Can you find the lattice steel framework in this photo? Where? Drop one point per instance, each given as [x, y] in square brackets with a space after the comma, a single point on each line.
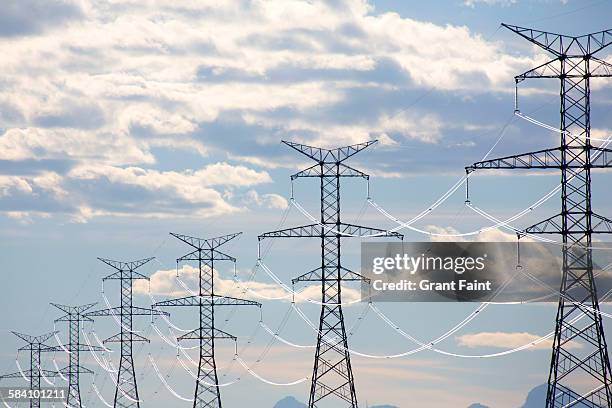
[207, 393]
[332, 374]
[36, 346]
[574, 65]
[126, 391]
[74, 317]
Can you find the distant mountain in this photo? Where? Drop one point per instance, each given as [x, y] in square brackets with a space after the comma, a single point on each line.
[536, 397]
[478, 406]
[290, 402]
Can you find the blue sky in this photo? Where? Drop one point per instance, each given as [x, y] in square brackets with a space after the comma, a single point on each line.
[121, 121]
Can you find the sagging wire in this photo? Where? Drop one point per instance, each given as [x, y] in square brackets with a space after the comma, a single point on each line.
[100, 397]
[299, 294]
[59, 342]
[201, 381]
[58, 370]
[163, 380]
[114, 315]
[20, 369]
[104, 365]
[536, 122]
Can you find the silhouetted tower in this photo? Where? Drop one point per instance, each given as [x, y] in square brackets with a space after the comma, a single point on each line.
[332, 374]
[74, 317]
[126, 391]
[574, 64]
[206, 252]
[36, 346]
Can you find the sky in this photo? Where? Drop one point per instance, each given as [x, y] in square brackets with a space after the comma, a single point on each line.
[122, 121]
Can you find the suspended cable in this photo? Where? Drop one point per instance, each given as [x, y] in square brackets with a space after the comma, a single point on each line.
[163, 380]
[260, 378]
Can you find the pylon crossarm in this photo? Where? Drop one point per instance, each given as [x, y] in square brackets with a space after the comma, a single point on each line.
[600, 68]
[603, 158]
[210, 243]
[601, 224]
[35, 347]
[316, 276]
[305, 231]
[34, 339]
[68, 319]
[206, 255]
[87, 347]
[53, 349]
[126, 338]
[196, 335]
[221, 256]
[348, 171]
[362, 231]
[25, 373]
[80, 370]
[219, 300]
[312, 276]
[76, 310]
[550, 69]
[195, 255]
[113, 311]
[348, 275]
[551, 225]
[142, 311]
[574, 225]
[559, 44]
[26, 337]
[321, 155]
[312, 171]
[122, 275]
[542, 159]
[184, 301]
[49, 373]
[126, 266]
[574, 69]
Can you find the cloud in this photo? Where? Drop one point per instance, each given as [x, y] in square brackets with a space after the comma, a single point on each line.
[473, 3]
[87, 191]
[273, 201]
[128, 87]
[24, 17]
[165, 283]
[508, 340]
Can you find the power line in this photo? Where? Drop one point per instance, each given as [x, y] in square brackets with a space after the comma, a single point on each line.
[574, 65]
[206, 252]
[332, 373]
[126, 387]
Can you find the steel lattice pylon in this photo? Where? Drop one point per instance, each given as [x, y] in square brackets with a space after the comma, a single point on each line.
[574, 65]
[207, 393]
[36, 346]
[126, 391]
[332, 374]
[74, 317]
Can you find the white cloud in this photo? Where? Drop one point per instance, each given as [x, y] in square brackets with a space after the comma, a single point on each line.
[38, 143]
[126, 80]
[165, 283]
[473, 3]
[268, 200]
[508, 340]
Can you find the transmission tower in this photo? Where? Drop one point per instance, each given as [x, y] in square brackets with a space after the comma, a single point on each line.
[574, 64]
[74, 317]
[206, 252]
[36, 346]
[332, 374]
[126, 391]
